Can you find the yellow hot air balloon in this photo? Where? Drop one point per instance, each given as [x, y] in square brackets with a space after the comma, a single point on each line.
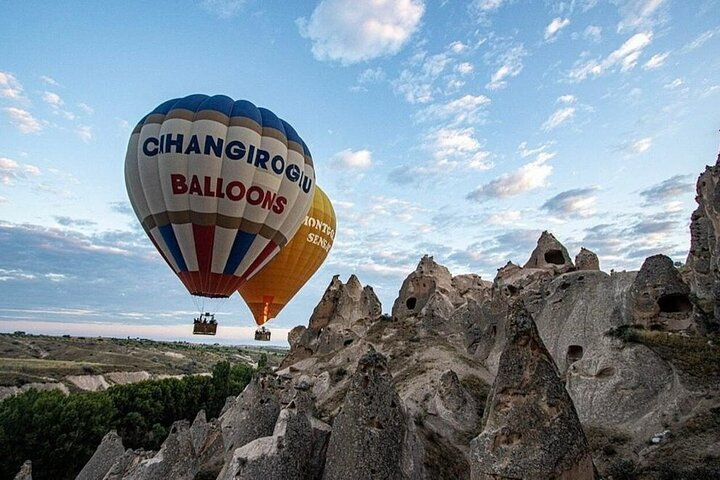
[268, 291]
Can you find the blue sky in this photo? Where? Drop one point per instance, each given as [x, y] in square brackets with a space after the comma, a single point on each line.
[456, 129]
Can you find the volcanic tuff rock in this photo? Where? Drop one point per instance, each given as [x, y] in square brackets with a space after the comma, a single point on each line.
[340, 318]
[550, 254]
[109, 451]
[296, 449]
[587, 260]
[372, 436]
[704, 256]
[25, 472]
[660, 297]
[531, 427]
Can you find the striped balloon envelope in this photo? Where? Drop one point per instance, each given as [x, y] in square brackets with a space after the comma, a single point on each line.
[275, 285]
[219, 186]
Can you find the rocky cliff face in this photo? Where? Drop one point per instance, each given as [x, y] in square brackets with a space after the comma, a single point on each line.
[587, 369]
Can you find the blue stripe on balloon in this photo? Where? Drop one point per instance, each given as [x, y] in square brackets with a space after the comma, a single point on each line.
[218, 103]
[168, 235]
[164, 107]
[270, 120]
[290, 132]
[241, 245]
[243, 108]
[191, 102]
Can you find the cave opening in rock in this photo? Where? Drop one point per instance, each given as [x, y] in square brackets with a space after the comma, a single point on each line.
[410, 303]
[574, 353]
[674, 303]
[555, 257]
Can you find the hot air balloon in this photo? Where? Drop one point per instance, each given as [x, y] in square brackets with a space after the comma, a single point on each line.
[219, 186]
[275, 285]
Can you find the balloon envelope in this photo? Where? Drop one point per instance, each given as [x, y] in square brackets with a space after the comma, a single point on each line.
[219, 186]
[275, 285]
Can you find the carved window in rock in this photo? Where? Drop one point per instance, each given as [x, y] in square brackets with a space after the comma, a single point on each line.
[574, 353]
[674, 303]
[555, 257]
[410, 303]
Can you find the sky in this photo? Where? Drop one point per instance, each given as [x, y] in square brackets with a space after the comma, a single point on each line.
[458, 129]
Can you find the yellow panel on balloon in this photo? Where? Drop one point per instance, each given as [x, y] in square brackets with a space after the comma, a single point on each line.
[274, 286]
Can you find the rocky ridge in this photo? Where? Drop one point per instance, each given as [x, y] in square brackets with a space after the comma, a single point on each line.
[554, 370]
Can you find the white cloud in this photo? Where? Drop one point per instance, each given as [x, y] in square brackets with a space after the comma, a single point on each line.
[577, 202]
[416, 83]
[457, 47]
[349, 159]
[592, 33]
[656, 61]
[23, 120]
[626, 56]
[14, 274]
[52, 99]
[567, 99]
[638, 14]
[9, 86]
[510, 66]
[464, 68]
[10, 170]
[86, 108]
[701, 39]
[85, 133]
[49, 81]
[674, 84]
[554, 27]
[558, 117]
[505, 217]
[487, 5]
[525, 152]
[351, 31]
[466, 109]
[223, 8]
[530, 176]
[638, 146]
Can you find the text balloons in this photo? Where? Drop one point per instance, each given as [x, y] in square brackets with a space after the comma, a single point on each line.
[220, 187]
[275, 285]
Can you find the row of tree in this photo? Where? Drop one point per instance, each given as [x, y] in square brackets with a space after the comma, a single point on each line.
[59, 432]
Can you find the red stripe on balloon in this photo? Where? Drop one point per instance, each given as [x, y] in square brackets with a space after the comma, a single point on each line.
[204, 236]
[269, 248]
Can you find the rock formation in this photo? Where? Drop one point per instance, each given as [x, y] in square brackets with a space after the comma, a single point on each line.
[586, 260]
[660, 297]
[372, 436]
[108, 453]
[25, 472]
[703, 259]
[531, 427]
[549, 254]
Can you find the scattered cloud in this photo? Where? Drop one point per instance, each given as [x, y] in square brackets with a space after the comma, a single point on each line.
[593, 33]
[639, 14]
[487, 5]
[635, 147]
[554, 27]
[73, 222]
[674, 84]
[351, 31]
[9, 86]
[558, 117]
[456, 148]
[457, 47]
[23, 120]
[223, 8]
[464, 68]
[49, 81]
[701, 39]
[530, 176]
[349, 159]
[626, 56]
[85, 133]
[11, 170]
[668, 190]
[416, 82]
[656, 61]
[567, 99]
[466, 109]
[510, 65]
[579, 202]
[87, 109]
[52, 99]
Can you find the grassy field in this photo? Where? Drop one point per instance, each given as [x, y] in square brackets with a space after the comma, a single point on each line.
[40, 358]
